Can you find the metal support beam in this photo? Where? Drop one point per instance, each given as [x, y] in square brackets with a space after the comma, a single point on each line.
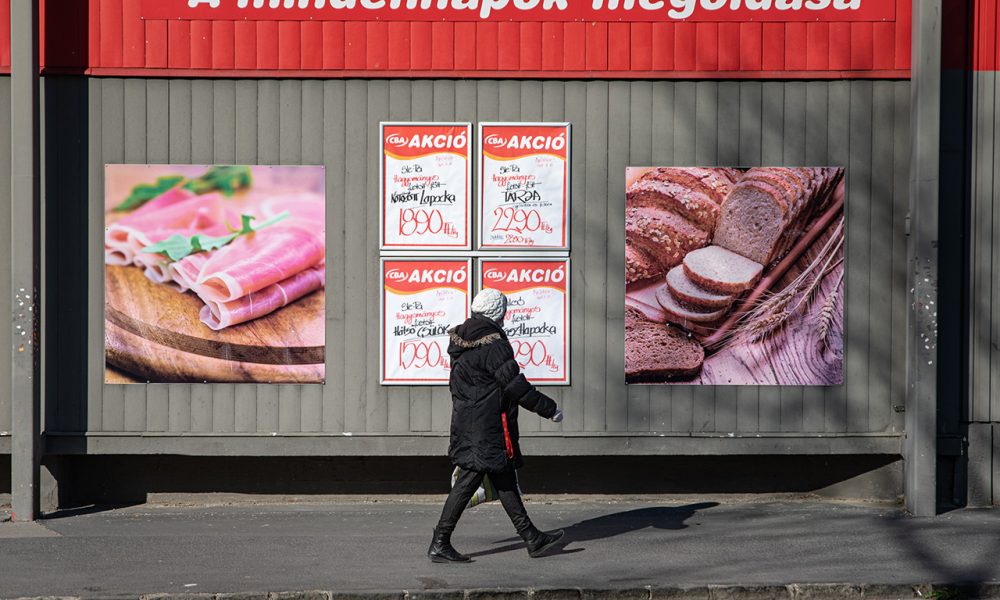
[920, 447]
[25, 260]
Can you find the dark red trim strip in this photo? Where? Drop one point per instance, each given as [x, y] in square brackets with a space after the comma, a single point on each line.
[463, 74]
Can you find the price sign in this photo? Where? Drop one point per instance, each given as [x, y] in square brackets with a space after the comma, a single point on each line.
[524, 185]
[537, 321]
[425, 201]
[421, 299]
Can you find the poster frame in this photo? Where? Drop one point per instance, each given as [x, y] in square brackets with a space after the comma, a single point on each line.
[568, 380]
[470, 189]
[381, 311]
[567, 210]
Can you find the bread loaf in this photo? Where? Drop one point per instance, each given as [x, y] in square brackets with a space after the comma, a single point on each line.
[655, 352]
[670, 211]
[639, 264]
[664, 235]
[767, 209]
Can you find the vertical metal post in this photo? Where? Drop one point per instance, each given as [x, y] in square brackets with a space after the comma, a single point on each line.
[920, 448]
[25, 260]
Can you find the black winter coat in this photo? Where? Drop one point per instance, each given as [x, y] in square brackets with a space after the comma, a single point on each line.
[485, 382]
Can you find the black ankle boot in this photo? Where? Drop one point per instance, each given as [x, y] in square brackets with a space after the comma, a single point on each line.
[441, 549]
[540, 542]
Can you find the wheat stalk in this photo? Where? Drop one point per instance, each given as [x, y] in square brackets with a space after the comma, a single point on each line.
[826, 313]
[762, 329]
[769, 314]
[814, 285]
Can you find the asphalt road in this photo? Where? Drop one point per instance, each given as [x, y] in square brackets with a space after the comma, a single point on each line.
[381, 546]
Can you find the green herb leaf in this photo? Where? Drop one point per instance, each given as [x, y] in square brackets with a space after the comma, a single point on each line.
[144, 192]
[178, 246]
[227, 179]
[175, 247]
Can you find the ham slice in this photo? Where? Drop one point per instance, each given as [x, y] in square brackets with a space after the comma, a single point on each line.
[255, 261]
[155, 221]
[219, 315]
[117, 250]
[185, 272]
[302, 207]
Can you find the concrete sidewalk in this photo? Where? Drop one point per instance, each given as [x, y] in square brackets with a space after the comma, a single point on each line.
[637, 549]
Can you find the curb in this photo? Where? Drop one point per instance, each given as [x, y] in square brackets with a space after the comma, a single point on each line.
[794, 591]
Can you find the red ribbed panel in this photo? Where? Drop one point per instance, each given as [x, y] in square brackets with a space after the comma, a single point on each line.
[108, 37]
[986, 25]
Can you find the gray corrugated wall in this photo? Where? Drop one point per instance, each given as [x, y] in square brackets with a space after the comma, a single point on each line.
[862, 125]
[982, 410]
[5, 291]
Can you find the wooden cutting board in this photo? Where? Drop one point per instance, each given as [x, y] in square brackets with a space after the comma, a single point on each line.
[153, 333]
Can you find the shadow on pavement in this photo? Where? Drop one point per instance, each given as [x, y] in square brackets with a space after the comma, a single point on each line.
[608, 526]
[86, 510]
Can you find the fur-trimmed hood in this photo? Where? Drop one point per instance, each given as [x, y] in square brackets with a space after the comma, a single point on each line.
[475, 332]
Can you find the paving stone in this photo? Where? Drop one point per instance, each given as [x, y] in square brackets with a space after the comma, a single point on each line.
[748, 592]
[825, 591]
[678, 593]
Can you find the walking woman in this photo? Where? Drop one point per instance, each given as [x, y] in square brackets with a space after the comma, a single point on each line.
[487, 387]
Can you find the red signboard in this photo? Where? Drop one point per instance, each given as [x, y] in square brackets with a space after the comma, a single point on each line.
[758, 39]
[522, 10]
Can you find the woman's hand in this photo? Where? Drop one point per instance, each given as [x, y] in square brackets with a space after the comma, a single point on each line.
[558, 416]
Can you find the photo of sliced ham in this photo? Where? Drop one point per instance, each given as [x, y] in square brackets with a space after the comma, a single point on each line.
[185, 213]
[225, 263]
[219, 315]
[257, 260]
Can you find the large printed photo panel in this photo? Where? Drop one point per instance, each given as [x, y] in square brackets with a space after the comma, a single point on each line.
[214, 273]
[734, 276]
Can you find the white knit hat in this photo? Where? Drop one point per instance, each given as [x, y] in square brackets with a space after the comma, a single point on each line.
[490, 303]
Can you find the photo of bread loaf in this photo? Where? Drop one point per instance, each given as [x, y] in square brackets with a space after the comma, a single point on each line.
[734, 276]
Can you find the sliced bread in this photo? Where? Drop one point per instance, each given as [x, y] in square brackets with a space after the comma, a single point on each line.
[693, 205]
[639, 264]
[666, 236]
[767, 208]
[682, 313]
[721, 270]
[656, 352]
[691, 293]
[715, 183]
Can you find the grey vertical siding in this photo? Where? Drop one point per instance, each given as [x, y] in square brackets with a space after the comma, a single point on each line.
[5, 291]
[982, 410]
[858, 124]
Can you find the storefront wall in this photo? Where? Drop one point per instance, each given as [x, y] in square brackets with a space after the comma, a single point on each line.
[860, 124]
[980, 414]
[5, 291]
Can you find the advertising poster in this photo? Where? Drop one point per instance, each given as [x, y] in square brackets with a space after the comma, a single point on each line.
[537, 321]
[214, 273]
[421, 300]
[425, 199]
[524, 186]
[734, 276]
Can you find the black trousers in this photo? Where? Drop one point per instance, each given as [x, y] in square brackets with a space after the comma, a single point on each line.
[465, 487]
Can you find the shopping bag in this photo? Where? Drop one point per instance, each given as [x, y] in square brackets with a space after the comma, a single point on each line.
[485, 493]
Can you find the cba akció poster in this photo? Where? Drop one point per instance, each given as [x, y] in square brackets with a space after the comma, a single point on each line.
[425, 186]
[421, 300]
[524, 186]
[734, 276]
[537, 320]
[214, 273]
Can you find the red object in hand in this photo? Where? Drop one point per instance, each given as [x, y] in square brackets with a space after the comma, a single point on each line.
[506, 436]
